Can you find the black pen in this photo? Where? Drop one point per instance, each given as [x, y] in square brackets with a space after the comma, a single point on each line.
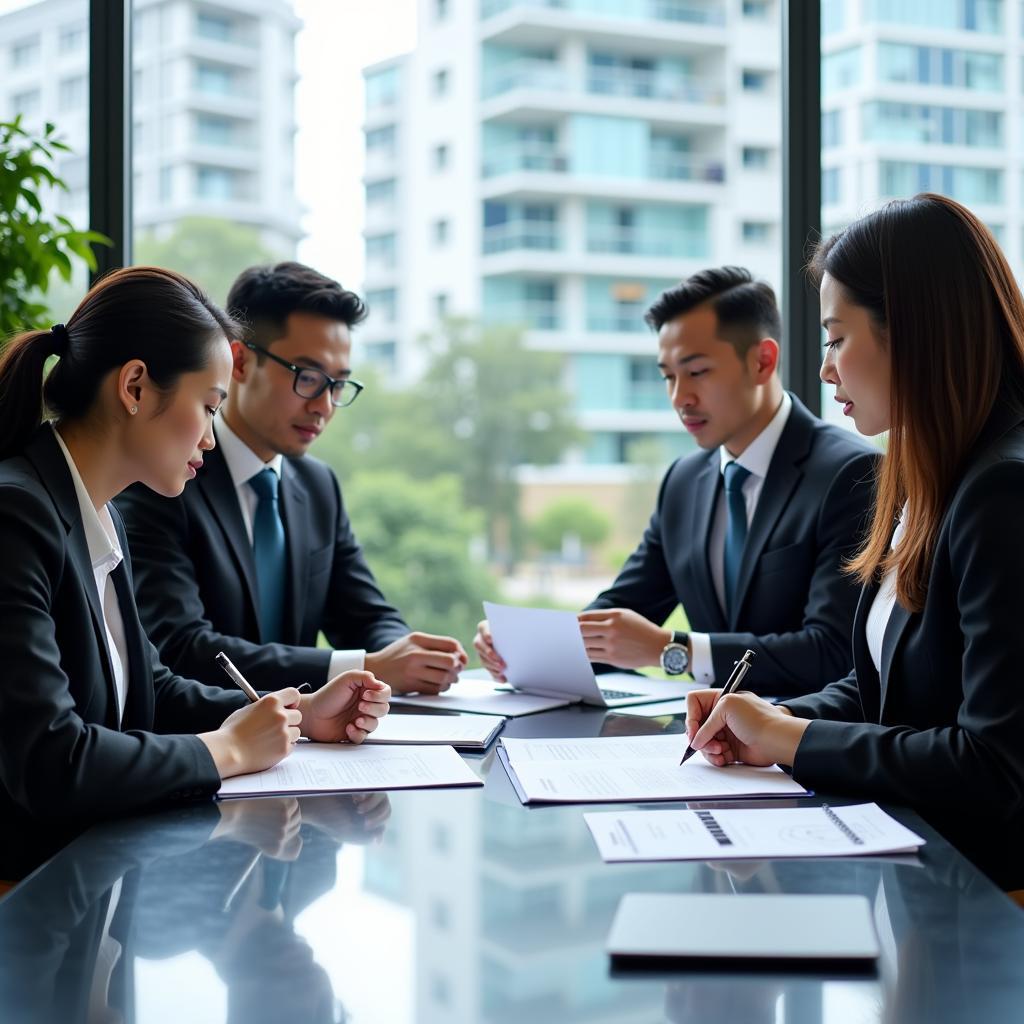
[240, 681]
[741, 668]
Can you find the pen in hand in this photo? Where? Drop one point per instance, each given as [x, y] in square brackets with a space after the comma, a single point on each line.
[240, 681]
[741, 668]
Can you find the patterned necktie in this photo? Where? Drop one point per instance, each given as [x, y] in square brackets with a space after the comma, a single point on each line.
[736, 533]
[268, 546]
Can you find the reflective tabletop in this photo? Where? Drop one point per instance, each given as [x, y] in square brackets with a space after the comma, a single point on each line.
[458, 906]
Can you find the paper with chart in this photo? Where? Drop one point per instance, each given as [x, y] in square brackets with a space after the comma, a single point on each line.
[466, 731]
[634, 768]
[482, 696]
[342, 767]
[734, 834]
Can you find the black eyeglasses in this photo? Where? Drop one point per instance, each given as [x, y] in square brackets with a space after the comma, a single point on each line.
[311, 383]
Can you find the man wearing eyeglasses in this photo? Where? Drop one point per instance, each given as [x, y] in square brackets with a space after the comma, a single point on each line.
[257, 556]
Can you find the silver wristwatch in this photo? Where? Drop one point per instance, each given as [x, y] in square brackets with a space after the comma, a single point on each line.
[675, 656]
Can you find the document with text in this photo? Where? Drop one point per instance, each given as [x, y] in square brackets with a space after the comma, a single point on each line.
[468, 732]
[342, 767]
[735, 834]
[635, 768]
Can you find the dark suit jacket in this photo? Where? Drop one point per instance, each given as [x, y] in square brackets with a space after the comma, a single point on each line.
[195, 578]
[64, 759]
[941, 728]
[794, 606]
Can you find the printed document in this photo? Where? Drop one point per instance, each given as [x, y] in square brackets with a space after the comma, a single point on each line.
[342, 767]
[466, 731]
[730, 834]
[634, 768]
[483, 697]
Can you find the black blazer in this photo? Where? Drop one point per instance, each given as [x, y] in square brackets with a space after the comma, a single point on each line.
[941, 728]
[64, 759]
[195, 578]
[794, 606]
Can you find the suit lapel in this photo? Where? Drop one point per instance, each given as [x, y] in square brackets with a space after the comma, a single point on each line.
[867, 677]
[784, 473]
[295, 513]
[706, 488]
[136, 714]
[45, 454]
[218, 489]
[894, 630]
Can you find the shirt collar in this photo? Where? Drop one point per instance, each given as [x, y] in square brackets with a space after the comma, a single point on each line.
[757, 456]
[243, 463]
[100, 535]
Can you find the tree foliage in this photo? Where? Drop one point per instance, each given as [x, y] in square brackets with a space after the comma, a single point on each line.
[34, 245]
[569, 517]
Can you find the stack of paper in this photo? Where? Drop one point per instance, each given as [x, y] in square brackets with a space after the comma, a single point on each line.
[733, 834]
[484, 697]
[634, 768]
[464, 732]
[342, 767]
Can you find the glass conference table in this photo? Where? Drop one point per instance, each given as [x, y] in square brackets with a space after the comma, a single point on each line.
[458, 906]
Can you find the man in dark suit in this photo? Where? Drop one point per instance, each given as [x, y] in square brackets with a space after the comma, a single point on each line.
[749, 534]
[257, 556]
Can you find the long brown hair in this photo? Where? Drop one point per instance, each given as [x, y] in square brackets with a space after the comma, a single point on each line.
[144, 313]
[946, 304]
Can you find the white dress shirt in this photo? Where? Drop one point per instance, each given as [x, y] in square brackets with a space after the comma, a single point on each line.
[105, 555]
[755, 458]
[243, 464]
[884, 602]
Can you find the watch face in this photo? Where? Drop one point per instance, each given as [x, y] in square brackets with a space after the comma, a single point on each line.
[674, 660]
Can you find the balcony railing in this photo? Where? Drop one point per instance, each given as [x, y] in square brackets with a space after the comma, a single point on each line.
[638, 83]
[692, 11]
[523, 157]
[684, 167]
[619, 321]
[526, 74]
[539, 314]
[645, 242]
[521, 234]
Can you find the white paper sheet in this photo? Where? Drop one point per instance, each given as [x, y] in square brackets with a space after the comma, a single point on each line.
[729, 834]
[483, 697]
[636, 768]
[457, 730]
[342, 767]
[664, 707]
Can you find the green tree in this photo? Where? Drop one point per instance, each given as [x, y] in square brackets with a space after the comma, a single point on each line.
[418, 536]
[35, 247]
[569, 517]
[210, 250]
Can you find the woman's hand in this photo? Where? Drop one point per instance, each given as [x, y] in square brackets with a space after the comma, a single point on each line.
[257, 736]
[489, 657]
[741, 727]
[347, 708]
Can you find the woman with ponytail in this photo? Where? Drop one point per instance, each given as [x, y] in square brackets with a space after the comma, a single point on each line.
[925, 340]
[91, 724]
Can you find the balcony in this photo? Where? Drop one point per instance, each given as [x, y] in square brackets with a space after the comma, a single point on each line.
[540, 157]
[627, 241]
[525, 73]
[685, 167]
[617, 321]
[638, 83]
[688, 11]
[521, 234]
[537, 314]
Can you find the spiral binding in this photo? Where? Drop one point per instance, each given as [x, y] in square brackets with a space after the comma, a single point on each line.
[842, 826]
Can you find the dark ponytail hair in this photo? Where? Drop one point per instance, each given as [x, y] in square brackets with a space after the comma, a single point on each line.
[144, 313]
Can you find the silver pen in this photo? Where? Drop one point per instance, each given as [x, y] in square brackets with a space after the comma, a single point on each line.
[741, 668]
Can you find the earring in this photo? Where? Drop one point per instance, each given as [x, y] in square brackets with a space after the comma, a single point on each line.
[134, 409]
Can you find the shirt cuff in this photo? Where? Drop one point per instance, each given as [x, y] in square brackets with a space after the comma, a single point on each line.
[345, 661]
[702, 668]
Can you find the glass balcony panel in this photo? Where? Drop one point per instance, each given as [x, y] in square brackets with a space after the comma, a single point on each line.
[521, 234]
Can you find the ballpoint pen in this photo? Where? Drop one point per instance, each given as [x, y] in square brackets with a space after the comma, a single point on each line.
[240, 681]
[741, 668]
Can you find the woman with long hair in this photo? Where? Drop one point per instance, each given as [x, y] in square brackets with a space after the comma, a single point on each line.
[925, 340]
[91, 724]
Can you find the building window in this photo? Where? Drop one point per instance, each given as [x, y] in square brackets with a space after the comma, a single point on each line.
[756, 81]
[382, 354]
[441, 305]
[217, 183]
[383, 303]
[381, 250]
[382, 88]
[829, 186]
[840, 70]
[166, 184]
[831, 128]
[441, 82]
[218, 27]
[757, 158]
[886, 121]
[758, 10]
[441, 156]
[756, 232]
[440, 232]
[213, 130]
[25, 52]
[73, 93]
[214, 79]
[26, 103]
[72, 38]
[381, 140]
[441, 10]
[380, 193]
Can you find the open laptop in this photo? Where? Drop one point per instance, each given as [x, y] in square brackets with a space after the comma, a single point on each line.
[544, 654]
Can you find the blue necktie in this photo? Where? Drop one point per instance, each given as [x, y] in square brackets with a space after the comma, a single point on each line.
[736, 532]
[268, 546]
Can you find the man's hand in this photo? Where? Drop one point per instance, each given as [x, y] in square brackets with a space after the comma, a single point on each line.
[741, 727]
[419, 663]
[347, 708]
[359, 817]
[491, 660]
[623, 638]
